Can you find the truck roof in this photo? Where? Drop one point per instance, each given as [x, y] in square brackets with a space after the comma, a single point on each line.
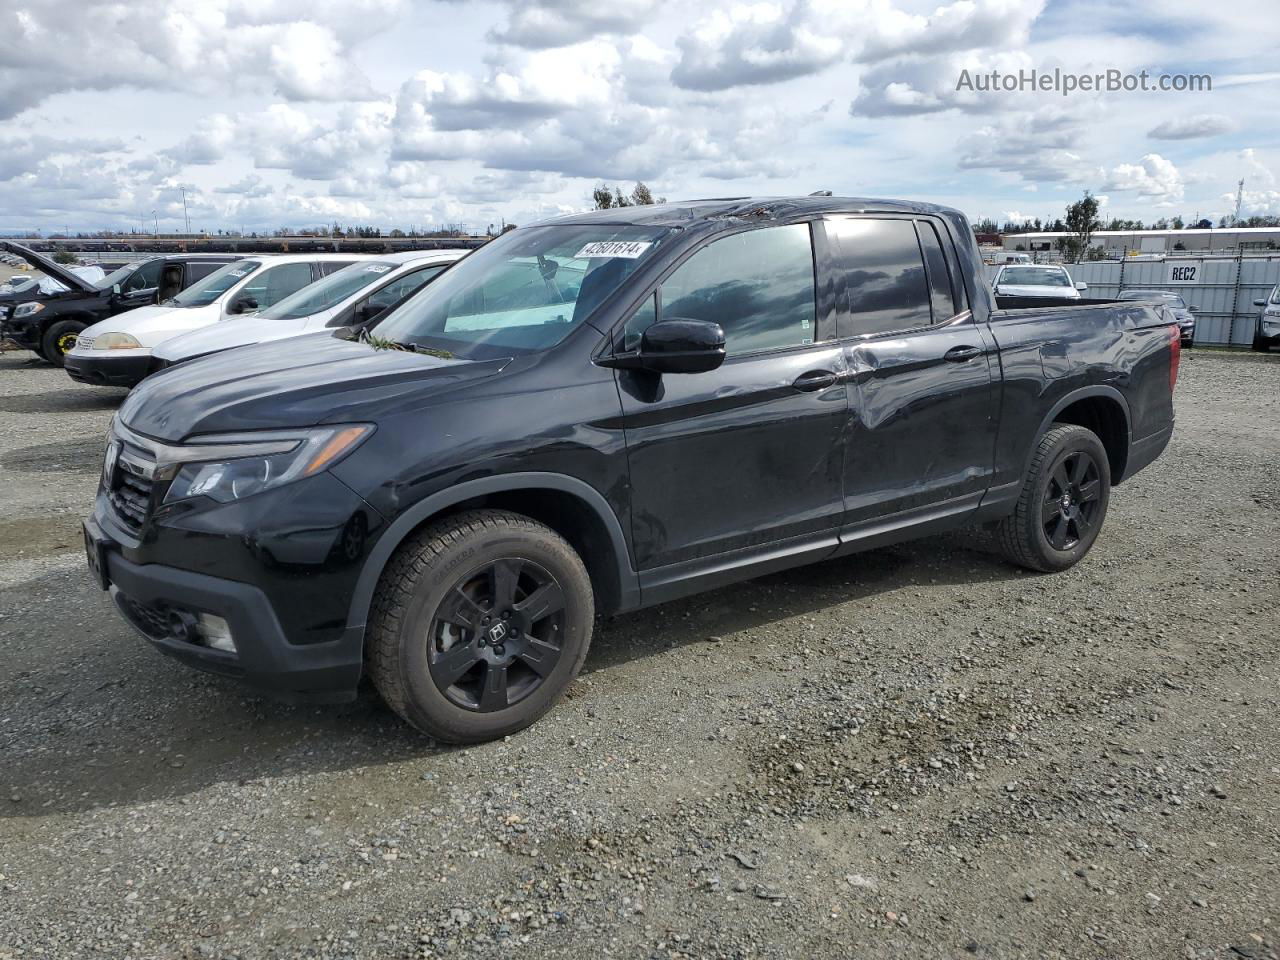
[689, 212]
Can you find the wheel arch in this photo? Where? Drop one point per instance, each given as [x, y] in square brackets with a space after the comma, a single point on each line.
[1099, 408]
[569, 506]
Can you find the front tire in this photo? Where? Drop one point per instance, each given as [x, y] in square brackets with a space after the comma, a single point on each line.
[480, 622]
[1063, 502]
[1261, 345]
[58, 339]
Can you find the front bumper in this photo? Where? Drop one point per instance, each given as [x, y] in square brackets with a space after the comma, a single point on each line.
[280, 567]
[18, 333]
[106, 370]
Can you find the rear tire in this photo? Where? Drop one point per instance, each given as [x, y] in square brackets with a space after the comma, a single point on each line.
[479, 623]
[58, 339]
[1063, 502]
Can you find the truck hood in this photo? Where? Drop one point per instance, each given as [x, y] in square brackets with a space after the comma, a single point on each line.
[297, 382]
[57, 271]
[1030, 290]
[240, 332]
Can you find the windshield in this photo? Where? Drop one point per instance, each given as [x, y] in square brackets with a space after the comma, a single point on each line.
[1275, 294]
[1034, 277]
[328, 292]
[522, 292]
[1172, 298]
[205, 291]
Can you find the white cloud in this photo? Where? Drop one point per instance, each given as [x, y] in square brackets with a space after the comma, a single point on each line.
[1192, 127]
[538, 24]
[298, 50]
[758, 43]
[1151, 178]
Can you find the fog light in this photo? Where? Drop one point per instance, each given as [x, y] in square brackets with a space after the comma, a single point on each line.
[215, 633]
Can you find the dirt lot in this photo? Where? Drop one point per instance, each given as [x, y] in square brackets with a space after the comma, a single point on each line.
[918, 752]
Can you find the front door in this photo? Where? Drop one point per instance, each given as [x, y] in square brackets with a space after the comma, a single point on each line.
[923, 414]
[749, 455]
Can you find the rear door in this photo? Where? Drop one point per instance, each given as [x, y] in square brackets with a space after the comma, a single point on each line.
[923, 414]
[748, 455]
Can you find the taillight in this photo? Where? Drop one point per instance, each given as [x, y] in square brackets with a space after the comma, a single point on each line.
[1175, 355]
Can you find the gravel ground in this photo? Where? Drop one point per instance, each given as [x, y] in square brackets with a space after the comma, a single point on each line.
[916, 752]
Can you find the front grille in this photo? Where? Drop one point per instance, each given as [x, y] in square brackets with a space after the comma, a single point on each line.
[130, 485]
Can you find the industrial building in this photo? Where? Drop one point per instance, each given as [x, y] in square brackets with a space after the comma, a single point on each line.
[1121, 243]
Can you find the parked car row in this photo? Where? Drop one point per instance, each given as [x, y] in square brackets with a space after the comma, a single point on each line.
[109, 333]
[587, 416]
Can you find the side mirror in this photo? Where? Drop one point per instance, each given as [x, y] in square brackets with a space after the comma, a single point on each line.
[676, 346]
[1081, 285]
[115, 289]
[243, 305]
[1259, 303]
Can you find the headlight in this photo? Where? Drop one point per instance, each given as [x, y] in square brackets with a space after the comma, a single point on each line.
[115, 341]
[230, 467]
[27, 310]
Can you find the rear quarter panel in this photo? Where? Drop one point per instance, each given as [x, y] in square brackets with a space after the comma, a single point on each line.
[1049, 356]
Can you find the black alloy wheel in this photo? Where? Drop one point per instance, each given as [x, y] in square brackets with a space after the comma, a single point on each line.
[1072, 500]
[496, 635]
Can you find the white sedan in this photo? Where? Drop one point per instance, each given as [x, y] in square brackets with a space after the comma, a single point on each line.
[1031, 280]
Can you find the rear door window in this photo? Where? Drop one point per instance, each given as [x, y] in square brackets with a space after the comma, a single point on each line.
[880, 267]
[941, 288]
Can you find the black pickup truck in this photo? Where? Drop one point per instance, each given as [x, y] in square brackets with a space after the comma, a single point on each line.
[602, 412]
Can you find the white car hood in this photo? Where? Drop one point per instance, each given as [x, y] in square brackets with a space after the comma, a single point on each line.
[240, 332]
[153, 325]
[1016, 290]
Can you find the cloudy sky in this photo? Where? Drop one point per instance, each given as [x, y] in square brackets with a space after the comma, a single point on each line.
[298, 113]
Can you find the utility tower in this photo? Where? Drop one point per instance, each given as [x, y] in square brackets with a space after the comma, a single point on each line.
[1235, 218]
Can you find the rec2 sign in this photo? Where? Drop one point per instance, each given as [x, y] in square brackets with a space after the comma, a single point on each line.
[1183, 273]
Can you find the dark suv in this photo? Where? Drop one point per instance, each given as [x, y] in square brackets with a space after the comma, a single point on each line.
[602, 412]
[47, 323]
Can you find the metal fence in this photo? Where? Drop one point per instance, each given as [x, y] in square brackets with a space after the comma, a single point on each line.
[1222, 289]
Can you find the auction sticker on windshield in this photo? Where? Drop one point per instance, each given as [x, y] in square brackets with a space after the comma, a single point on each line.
[626, 249]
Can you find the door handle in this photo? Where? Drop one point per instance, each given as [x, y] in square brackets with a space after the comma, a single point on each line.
[961, 354]
[814, 380]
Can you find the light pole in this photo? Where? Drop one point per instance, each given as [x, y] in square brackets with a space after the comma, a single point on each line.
[157, 220]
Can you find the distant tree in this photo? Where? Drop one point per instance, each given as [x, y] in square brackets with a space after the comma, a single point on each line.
[603, 197]
[986, 225]
[1082, 221]
[1203, 224]
[618, 199]
[1176, 223]
[508, 227]
[63, 255]
[641, 196]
